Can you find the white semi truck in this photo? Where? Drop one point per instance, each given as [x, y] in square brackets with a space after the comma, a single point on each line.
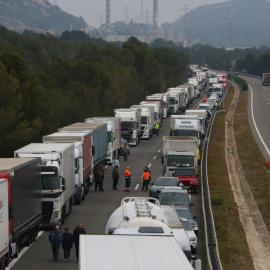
[113, 135]
[186, 127]
[82, 142]
[165, 98]
[147, 119]
[131, 129]
[187, 117]
[157, 109]
[144, 216]
[57, 175]
[179, 152]
[134, 253]
[177, 100]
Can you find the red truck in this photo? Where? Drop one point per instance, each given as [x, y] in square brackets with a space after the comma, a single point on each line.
[188, 176]
[20, 205]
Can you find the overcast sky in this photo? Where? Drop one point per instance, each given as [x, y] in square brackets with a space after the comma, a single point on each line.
[94, 11]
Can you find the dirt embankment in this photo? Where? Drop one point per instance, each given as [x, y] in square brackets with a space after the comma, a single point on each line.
[257, 234]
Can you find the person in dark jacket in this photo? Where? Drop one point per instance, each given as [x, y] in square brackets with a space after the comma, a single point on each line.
[76, 238]
[98, 179]
[115, 176]
[67, 244]
[56, 238]
[102, 169]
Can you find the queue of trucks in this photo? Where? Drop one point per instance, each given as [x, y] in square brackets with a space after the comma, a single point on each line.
[42, 182]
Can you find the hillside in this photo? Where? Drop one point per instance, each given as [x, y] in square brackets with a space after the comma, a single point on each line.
[39, 16]
[235, 23]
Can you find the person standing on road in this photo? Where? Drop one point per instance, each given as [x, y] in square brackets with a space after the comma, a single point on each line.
[76, 238]
[102, 169]
[115, 161]
[56, 238]
[216, 104]
[67, 244]
[115, 176]
[125, 151]
[127, 179]
[98, 179]
[146, 179]
[157, 128]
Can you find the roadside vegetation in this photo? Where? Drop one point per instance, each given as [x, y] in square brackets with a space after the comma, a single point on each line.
[254, 165]
[233, 247]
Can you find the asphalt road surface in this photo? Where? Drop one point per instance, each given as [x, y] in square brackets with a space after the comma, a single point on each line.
[94, 212]
[260, 120]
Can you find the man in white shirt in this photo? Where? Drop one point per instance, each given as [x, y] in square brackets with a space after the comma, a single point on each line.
[115, 162]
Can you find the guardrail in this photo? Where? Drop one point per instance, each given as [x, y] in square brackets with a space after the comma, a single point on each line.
[209, 223]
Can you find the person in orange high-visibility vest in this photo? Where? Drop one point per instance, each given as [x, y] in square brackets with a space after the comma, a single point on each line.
[146, 179]
[204, 99]
[128, 179]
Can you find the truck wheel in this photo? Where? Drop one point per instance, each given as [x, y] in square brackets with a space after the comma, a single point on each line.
[70, 206]
[137, 141]
[83, 193]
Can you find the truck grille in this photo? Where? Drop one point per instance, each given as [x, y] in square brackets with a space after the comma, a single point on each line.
[127, 137]
[47, 210]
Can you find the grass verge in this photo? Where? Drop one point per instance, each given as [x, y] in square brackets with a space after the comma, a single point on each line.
[233, 248]
[254, 165]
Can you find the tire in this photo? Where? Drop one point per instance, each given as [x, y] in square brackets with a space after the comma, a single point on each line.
[83, 194]
[137, 141]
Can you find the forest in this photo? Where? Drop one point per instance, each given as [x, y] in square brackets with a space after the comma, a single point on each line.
[48, 82]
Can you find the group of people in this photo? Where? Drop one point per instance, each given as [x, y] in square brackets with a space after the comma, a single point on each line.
[56, 238]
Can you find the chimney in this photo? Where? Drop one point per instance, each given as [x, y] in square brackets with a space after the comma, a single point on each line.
[108, 16]
[155, 16]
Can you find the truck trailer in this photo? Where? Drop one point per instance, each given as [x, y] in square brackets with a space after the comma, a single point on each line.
[113, 135]
[20, 205]
[99, 140]
[83, 158]
[266, 79]
[57, 176]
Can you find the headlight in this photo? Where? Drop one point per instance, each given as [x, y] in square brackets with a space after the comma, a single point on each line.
[55, 215]
[192, 238]
[191, 182]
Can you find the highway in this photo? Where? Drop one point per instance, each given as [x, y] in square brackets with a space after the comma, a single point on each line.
[259, 114]
[94, 212]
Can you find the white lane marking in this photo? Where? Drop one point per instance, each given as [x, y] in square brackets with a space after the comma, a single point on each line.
[267, 150]
[142, 176]
[12, 263]
[159, 150]
[154, 157]
[149, 165]
[137, 186]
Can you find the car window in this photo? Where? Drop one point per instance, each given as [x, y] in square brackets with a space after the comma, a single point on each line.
[187, 226]
[166, 182]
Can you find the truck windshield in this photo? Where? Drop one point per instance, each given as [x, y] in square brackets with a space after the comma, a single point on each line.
[144, 120]
[173, 198]
[172, 101]
[180, 161]
[204, 107]
[192, 133]
[156, 115]
[184, 172]
[127, 125]
[165, 104]
[49, 176]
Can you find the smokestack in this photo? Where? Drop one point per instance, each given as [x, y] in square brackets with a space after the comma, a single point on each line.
[155, 16]
[108, 16]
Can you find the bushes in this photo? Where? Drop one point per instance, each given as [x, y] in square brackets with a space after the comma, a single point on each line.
[239, 81]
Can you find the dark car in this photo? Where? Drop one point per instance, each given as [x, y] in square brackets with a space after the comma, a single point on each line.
[184, 212]
[123, 141]
[174, 196]
[162, 182]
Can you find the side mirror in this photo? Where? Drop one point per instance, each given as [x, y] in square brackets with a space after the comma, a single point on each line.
[191, 204]
[93, 150]
[10, 210]
[162, 160]
[64, 188]
[194, 216]
[63, 180]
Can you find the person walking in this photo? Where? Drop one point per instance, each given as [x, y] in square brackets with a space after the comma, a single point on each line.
[216, 104]
[127, 179]
[76, 238]
[204, 99]
[56, 238]
[146, 179]
[98, 179]
[157, 128]
[67, 244]
[115, 162]
[125, 151]
[115, 176]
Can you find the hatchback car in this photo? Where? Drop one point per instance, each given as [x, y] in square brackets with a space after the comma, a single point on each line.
[163, 182]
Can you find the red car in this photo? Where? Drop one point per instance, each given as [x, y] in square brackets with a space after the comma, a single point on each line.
[188, 177]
